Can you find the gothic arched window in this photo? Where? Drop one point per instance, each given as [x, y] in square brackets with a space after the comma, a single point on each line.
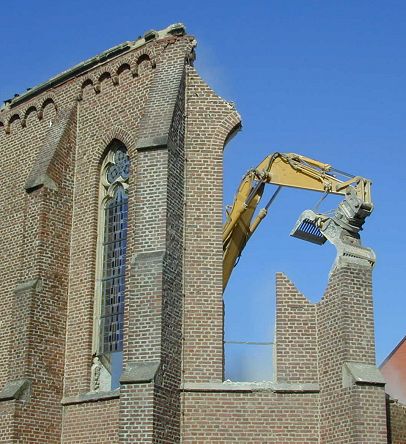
[111, 265]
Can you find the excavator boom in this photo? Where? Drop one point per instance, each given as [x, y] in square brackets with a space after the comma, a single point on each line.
[290, 170]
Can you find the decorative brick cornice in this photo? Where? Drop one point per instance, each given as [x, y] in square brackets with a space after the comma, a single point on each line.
[11, 116]
[174, 31]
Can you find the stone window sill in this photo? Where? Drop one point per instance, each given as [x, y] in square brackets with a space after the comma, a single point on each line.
[91, 397]
[251, 387]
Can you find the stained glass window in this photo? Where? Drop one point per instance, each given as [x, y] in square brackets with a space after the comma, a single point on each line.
[112, 259]
[113, 278]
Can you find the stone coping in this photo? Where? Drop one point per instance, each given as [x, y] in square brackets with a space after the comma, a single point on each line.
[91, 397]
[276, 387]
[16, 389]
[361, 374]
[208, 387]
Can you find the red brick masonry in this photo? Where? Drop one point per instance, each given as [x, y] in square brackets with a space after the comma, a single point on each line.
[53, 139]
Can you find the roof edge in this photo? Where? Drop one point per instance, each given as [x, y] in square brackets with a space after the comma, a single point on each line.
[176, 29]
[392, 352]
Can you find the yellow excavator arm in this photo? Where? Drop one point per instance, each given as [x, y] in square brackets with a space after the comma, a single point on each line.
[291, 170]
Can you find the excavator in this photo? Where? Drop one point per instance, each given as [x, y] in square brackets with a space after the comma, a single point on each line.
[341, 227]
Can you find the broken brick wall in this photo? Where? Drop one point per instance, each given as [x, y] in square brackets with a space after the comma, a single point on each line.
[175, 128]
[320, 348]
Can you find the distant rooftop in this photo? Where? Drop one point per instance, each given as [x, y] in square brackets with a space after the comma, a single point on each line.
[392, 352]
[177, 29]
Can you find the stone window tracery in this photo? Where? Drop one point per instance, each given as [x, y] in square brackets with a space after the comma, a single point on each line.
[111, 264]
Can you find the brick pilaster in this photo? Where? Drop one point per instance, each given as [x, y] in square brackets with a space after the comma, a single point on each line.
[150, 400]
[352, 409]
[40, 297]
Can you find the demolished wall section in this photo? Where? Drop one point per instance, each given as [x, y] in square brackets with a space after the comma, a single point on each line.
[296, 336]
[209, 123]
[214, 411]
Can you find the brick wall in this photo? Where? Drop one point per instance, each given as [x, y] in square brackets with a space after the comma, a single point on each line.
[296, 339]
[396, 422]
[174, 127]
[314, 342]
[250, 417]
[93, 422]
[155, 294]
[8, 432]
[353, 413]
[40, 295]
[210, 121]
[126, 98]
[99, 122]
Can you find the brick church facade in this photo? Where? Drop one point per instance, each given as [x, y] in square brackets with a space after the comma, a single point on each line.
[111, 265]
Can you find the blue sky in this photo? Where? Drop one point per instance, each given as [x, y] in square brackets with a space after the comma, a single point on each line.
[320, 78]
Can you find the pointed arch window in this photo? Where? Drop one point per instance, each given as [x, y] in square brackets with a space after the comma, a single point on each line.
[111, 265]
